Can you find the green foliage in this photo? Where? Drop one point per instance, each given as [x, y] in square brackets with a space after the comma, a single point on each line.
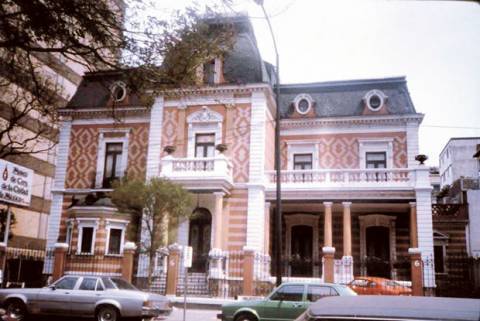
[160, 203]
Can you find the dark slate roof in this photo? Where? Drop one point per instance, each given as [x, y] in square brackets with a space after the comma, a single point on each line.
[241, 66]
[344, 98]
[397, 307]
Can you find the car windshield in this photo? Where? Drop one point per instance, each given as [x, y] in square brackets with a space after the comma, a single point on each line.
[121, 284]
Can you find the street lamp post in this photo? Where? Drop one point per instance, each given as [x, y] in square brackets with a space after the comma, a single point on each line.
[278, 205]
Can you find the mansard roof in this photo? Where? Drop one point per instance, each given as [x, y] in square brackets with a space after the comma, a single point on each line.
[345, 98]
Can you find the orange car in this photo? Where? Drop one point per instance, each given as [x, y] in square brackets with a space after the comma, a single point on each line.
[379, 286]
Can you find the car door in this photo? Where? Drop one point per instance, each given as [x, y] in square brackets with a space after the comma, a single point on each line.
[286, 303]
[55, 299]
[316, 292]
[85, 295]
[360, 286]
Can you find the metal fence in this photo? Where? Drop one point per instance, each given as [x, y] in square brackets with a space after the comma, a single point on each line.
[23, 268]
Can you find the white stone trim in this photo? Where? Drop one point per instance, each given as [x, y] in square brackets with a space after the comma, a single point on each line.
[59, 183]
[412, 143]
[86, 222]
[204, 121]
[425, 233]
[375, 145]
[221, 99]
[102, 143]
[257, 137]
[110, 121]
[69, 234]
[256, 218]
[307, 220]
[294, 148]
[378, 220]
[155, 138]
[115, 224]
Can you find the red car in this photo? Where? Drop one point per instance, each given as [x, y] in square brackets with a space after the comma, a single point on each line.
[379, 286]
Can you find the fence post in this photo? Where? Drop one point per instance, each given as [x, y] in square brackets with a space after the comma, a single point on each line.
[248, 271]
[127, 260]
[60, 258]
[416, 264]
[173, 269]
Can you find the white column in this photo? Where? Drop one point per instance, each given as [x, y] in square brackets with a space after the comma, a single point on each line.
[155, 138]
[217, 227]
[153, 168]
[57, 192]
[256, 217]
[412, 143]
[257, 137]
[423, 194]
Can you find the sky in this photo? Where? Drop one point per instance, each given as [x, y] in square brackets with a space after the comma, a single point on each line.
[435, 44]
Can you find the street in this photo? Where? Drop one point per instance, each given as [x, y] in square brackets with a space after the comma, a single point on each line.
[194, 315]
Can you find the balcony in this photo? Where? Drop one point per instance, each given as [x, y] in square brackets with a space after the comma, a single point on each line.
[350, 179]
[199, 174]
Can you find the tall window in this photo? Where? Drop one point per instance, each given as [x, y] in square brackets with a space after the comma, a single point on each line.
[86, 235]
[302, 161]
[209, 72]
[68, 239]
[376, 160]
[205, 145]
[115, 241]
[113, 161]
[439, 255]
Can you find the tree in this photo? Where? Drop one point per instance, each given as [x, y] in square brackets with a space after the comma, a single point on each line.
[159, 204]
[94, 35]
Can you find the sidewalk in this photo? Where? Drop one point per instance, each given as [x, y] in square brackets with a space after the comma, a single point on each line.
[204, 302]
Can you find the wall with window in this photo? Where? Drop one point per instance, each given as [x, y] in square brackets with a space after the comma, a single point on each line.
[199, 138]
[101, 153]
[337, 151]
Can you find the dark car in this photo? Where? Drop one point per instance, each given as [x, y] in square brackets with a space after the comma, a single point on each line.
[390, 308]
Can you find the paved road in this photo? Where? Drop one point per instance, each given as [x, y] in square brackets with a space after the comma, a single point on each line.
[194, 315]
[177, 315]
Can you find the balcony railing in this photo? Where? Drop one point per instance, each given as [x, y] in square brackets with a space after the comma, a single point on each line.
[198, 172]
[345, 177]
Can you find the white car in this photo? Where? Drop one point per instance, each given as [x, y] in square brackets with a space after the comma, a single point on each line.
[105, 298]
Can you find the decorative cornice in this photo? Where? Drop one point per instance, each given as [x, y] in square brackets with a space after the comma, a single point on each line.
[237, 89]
[355, 120]
[105, 112]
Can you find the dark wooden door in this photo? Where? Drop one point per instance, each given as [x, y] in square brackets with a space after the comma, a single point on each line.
[301, 260]
[199, 239]
[378, 251]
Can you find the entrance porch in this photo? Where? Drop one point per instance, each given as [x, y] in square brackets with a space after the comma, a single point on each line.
[336, 241]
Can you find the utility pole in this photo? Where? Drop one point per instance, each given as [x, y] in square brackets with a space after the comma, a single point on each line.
[278, 205]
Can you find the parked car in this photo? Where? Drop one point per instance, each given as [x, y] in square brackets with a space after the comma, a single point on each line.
[105, 298]
[379, 286]
[286, 302]
[389, 308]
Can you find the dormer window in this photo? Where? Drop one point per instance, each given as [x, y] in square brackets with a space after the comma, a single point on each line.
[118, 91]
[212, 71]
[303, 104]
[375, 99]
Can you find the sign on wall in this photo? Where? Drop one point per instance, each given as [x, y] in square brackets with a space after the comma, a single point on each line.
[16, 183]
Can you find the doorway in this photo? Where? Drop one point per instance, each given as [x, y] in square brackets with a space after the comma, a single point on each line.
[378, 251]
[199, 235]
[301, 259]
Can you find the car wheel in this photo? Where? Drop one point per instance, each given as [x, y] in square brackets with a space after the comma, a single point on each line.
[246, 317]
[107, 313]
[16, 310]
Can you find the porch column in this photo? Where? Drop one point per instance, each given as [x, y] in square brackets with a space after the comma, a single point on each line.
[413, 225]
[218, 220]
[347, 229]
[328, 249]
[216, 254]
[346, 271]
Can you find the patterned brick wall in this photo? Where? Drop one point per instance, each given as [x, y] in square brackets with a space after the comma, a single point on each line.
[237, 220]
[238, 140]
[270, 143]
[82, 159]
[169, 130]
[339, 151]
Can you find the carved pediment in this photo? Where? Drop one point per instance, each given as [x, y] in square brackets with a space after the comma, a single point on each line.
[205, 115]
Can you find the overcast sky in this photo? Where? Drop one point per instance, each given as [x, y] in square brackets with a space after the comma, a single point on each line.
[435, 44]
